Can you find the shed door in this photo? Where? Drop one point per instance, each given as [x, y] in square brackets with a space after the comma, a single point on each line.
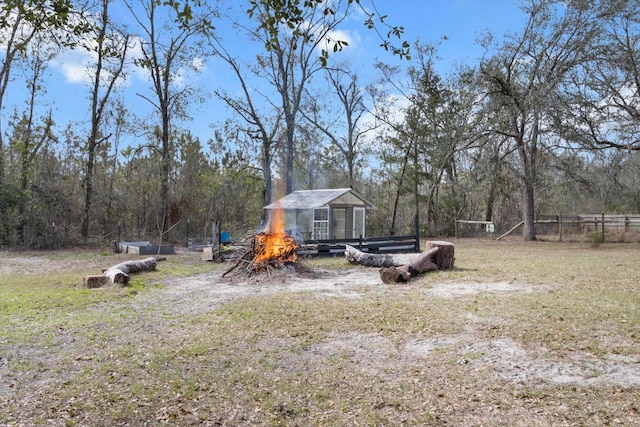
[339, 223]
[358, 222]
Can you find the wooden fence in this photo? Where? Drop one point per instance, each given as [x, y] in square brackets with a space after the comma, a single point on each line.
[391, 244]
[600, 225]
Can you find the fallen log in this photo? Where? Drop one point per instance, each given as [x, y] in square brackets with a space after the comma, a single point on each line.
[402, 267]
[403, 273]
[356, 256]
[119, 273]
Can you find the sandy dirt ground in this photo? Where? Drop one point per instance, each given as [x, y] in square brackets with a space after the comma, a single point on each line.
[508, 359]
[511, 362]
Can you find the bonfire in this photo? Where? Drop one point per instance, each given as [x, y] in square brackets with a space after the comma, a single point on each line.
[274, 247]
[270, 249]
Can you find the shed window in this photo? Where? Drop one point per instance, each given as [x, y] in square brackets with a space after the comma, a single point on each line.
[321, 223]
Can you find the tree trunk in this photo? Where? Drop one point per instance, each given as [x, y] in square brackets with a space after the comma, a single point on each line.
[166, 169]
[120, 273]
[88, 186]
[356, 256]
[266, 172]
[392, 231]
[288, 158]
[402, 267]
[405, 272]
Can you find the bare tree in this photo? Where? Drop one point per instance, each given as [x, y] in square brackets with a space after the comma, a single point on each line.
[259, 126]
[291, 62]
[602, 98]
[111, 51]
[119, 122]
[344, 130]
[165, 49]
[523, 79]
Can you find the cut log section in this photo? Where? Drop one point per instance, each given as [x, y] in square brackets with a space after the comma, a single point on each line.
[95, 281]
[402, 267]
[119, 273]
[445, 256]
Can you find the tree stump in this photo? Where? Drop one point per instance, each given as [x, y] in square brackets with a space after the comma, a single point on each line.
[445, 255]
[395, 274]
[207, 253]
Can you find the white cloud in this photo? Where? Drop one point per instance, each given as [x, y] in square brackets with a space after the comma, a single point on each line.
[135, 53]
[198, 65]
[334, 37]
[75, 65]
[181, 77]
[185, 76]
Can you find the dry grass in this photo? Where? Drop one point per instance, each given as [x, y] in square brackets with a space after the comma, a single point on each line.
[518, 334]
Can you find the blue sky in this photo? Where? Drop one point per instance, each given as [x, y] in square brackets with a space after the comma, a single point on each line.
[461, 21]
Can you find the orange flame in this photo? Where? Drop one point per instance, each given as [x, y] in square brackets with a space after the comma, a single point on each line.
[275, 246]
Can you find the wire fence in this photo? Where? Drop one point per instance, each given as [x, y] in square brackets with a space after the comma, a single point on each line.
[584, 227]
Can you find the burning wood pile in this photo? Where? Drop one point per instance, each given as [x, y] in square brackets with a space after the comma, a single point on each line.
[274, 249]
[268, 250]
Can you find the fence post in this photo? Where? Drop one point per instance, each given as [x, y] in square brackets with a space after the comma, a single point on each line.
[602, 227]
[215, 240]
[455, 227]
[559, 218]
[626, 225]
[417, 231]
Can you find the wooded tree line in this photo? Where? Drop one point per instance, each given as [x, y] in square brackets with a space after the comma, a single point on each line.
[548, 121]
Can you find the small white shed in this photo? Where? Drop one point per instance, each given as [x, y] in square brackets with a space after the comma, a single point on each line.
[323, 214]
